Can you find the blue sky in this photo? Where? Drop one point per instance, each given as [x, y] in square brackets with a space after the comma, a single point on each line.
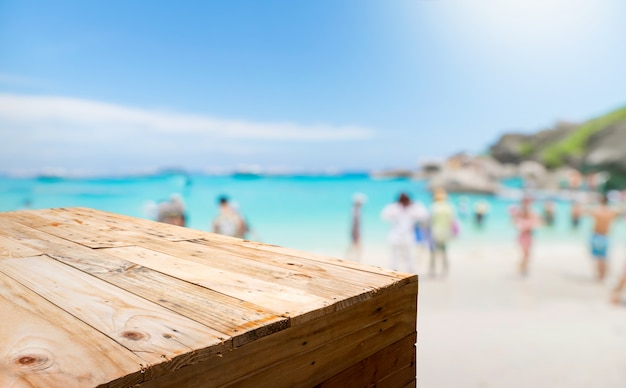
[311, 85]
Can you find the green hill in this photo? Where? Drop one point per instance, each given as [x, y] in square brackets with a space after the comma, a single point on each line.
[574, 146]
[595, 145]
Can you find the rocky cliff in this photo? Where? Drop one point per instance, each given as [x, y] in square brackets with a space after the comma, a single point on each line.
[516, 147]
[596, 145]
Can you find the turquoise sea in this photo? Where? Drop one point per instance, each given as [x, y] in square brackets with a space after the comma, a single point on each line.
[310, 213]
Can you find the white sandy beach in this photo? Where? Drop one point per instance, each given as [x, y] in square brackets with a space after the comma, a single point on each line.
[485, 326]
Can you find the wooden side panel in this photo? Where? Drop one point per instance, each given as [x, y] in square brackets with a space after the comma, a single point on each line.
[42, 346]
[308, 354]
[404, 377]
[377, 367]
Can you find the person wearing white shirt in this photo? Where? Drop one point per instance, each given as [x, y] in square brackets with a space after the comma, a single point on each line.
[403, 215]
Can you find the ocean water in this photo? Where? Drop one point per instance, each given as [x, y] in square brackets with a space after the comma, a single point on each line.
[310, 213]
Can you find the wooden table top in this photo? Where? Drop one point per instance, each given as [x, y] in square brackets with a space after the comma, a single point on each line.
[89, 297]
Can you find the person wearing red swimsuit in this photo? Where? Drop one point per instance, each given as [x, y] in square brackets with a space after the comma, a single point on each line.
[525, 221]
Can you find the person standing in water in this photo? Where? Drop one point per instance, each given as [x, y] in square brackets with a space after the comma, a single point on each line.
[525, 221]
[548, 213]
[228, 221]
[442, 219]
[403, 215]
[356, 249]
[481, 208]
[575, 214]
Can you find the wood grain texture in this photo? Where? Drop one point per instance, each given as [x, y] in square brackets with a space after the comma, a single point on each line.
[152, 332]
[171, 306]
[69, 229]
[42, 346]
[242, 321]
[404, 378]
[239, 318]
[308, 354]
[381, 365]
[12, 248]
[225, 276]
[130, 226]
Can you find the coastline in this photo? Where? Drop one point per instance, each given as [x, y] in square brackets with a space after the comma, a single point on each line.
[482, 326]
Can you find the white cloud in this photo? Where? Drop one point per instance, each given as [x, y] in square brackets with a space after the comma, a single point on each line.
[64, 116]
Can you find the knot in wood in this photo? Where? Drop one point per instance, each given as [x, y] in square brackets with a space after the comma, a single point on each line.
[33, 359]
[28, 360]
[133, 335]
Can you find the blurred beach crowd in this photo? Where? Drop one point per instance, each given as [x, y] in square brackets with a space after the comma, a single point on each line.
[418, 229]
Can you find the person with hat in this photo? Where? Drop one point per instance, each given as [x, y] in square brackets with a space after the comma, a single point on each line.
[443, 228]
[172, 211]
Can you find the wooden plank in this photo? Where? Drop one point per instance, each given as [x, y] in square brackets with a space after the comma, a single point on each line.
[70, 216]
[141, 227]
[404, 377]
[313, 280]
[349, 281]
[116, 236]
[384, 318]
[42, 346]
[340, 287]
[380, 365]
[65, 228]
[222, 276]
[238, 319]
[294, 253]
[253, 292]
[162, 231]
[354, 282]
[152, 332]
[11, 248]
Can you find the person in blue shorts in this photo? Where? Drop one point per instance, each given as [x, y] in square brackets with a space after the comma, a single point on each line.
[599, 246]
[603, 216]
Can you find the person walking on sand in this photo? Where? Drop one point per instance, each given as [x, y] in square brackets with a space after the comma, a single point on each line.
[355, 249]
[442, 227]
[403, 215]
[526, 222]
[603, 216]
